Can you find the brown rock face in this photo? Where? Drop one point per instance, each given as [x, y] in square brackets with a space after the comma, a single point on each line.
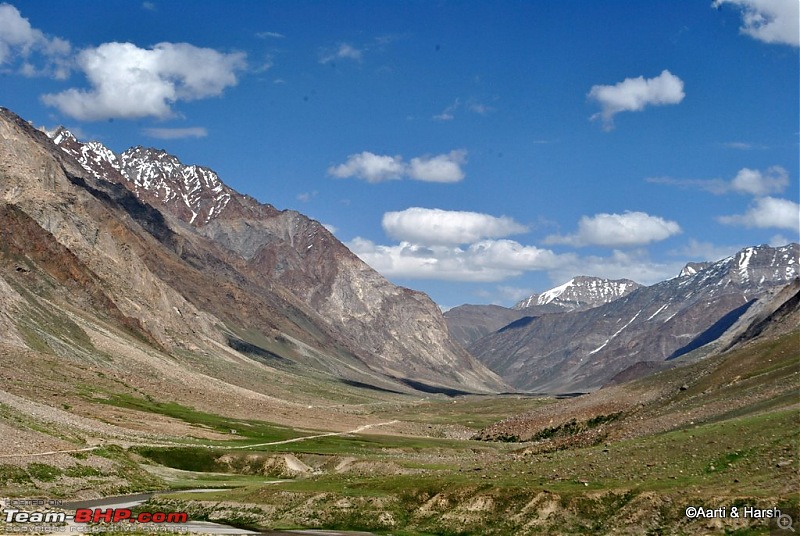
[180, 258]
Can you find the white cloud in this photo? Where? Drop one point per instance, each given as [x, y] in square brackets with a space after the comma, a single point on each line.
[446, 227]
[149, 6]
[370, 167]
[441, 168]
[478, 108]
[375, 168]
[273, 35]
[486, 261]
[740, 145]
[754, 182]
[18, 39]
[715, 186]
[472, 105]
[513, 294]
[705, 251]
[632, 264]
[176, 133]
[770, 21]
[344, 51]
[448, 114]
[747, 181]
[511, 255]
[768, 212]
[331, 229]
[305, 197]
[780, 240]
[131, 82]
[498, 260]
[618, 230]
[634, 94]
[466, 247]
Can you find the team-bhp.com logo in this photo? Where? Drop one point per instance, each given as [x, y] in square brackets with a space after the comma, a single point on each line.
[94, 515]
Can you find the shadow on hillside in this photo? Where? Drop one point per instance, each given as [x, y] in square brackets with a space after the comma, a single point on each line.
[714, 332]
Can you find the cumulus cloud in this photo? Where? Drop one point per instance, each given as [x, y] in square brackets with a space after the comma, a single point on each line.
[375, 168]
[441, 168]
[468, 247]
[747, 181]
[343, 51]
[176, 133]
[130, 82]
[768, 212]
[446, 227]
[634, 94]
[19, 40]
[370, 167]
[485, 261]
[618, 230]
[770, 21]
[754, 182]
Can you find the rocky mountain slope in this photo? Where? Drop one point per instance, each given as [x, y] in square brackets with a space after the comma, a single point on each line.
[468, 323]
[582, 350]
[755, 376]
[172, 255]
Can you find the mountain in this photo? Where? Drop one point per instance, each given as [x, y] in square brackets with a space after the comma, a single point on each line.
[579, 293]
[755, 377]
[468, 323]
[582, 350]
[169, 254]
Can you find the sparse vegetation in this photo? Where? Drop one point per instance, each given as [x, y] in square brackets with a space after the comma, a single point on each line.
[44, 472]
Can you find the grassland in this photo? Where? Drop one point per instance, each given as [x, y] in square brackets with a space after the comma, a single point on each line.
[718, 433]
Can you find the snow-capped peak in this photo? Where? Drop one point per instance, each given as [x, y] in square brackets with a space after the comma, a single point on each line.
[581, 292]
[194, 193]
[61, 134]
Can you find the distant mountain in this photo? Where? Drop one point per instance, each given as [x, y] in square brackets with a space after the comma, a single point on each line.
[579, 293]
[468, 323]
[169, 252]
[582, 350]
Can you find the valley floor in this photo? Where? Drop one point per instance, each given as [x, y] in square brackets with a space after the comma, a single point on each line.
[703, 439]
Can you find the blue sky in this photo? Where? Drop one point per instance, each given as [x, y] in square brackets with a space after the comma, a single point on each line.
[478, 151]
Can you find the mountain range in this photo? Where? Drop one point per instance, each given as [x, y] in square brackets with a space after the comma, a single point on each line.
[167, 252]
[160, 330]
[153, 248]
[583, 349]
[468, 323]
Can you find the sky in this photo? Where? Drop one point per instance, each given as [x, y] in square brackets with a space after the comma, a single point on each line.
[477, 151]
